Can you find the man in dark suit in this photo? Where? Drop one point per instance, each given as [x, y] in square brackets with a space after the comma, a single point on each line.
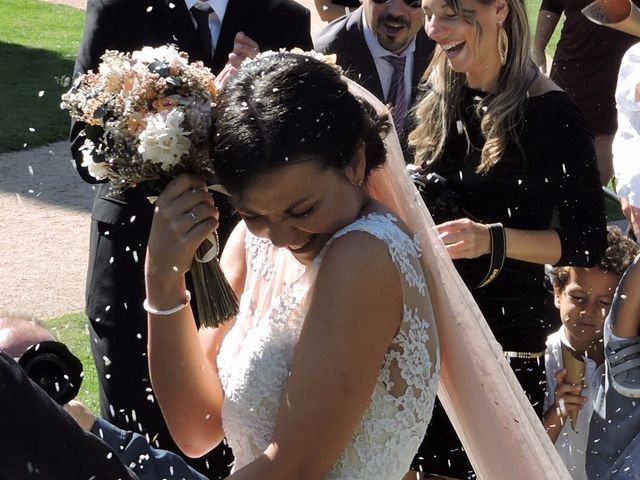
[120, 224]
[369, 41]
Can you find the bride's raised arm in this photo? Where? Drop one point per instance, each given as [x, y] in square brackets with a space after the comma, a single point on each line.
[183, 373]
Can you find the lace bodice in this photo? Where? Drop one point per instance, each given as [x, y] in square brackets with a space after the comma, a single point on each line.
[256, 357]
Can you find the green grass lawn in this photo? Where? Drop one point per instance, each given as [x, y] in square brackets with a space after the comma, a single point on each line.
[71, 329]
[38, 45]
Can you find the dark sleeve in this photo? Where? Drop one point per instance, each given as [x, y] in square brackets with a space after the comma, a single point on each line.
[37, 435]
[574, 177]
[98, 36]
[147, 462]
[303, 33]
[555, 6]
[290, 27]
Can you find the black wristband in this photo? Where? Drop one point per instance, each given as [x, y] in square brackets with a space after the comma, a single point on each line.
[498, 253]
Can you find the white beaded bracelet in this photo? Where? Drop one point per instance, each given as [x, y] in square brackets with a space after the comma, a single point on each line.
[148, 308]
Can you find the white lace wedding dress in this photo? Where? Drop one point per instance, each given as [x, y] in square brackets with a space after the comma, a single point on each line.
[256, 356]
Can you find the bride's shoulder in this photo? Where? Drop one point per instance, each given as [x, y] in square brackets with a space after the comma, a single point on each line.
[376, 242]
[360, 244]
[357, 259]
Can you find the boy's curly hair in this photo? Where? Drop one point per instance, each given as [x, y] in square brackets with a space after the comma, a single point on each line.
[621, 251]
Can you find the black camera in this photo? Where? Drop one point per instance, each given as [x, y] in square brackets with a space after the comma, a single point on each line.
[441, 201]
[54, 368]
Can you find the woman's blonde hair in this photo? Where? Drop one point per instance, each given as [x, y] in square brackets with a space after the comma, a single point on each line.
[501, 112]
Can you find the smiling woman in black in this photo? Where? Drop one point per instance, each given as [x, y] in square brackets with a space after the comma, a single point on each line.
[553, 170]
[516, 160]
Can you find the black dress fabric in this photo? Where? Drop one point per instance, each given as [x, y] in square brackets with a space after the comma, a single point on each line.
[550, 180]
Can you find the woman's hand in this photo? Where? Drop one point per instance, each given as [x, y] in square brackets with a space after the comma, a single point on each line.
[465, 238]
[184, 216]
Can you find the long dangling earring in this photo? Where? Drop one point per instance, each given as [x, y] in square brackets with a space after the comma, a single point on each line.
[503, 44]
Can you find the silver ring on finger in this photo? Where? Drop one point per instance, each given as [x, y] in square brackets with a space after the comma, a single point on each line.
[193, 216]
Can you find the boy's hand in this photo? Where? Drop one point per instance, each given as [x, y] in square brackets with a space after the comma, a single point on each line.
[81, 414]
[567, 396]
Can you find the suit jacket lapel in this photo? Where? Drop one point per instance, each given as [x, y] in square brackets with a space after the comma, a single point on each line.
[361, 59]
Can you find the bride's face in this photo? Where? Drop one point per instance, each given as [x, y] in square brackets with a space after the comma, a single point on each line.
[300, 206]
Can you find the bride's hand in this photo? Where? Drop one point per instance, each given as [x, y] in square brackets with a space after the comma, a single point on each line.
[185, 214]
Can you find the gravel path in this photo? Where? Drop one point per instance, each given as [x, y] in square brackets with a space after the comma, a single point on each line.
[44, 226]
[44, 232]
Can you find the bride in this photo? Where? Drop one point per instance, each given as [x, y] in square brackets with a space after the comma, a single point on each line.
[331, 367]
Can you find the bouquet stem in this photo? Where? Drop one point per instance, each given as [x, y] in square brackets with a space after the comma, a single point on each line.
[216, 301]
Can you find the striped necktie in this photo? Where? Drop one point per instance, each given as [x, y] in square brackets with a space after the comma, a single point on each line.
[397, 94]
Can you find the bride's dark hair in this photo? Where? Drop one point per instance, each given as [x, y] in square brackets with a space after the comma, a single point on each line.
[286, 108]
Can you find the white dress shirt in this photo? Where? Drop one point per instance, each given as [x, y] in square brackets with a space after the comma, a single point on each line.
[215, 18]
[572, 446]
[384, 68]
[626, 144]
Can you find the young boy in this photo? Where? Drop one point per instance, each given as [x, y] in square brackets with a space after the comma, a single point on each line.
[614, 434]
[584, 297]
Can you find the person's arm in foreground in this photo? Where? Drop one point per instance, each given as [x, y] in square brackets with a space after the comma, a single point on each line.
[625, 309]
[38, 436]
[132, 448]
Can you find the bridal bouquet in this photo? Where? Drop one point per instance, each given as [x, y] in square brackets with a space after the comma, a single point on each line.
[148, 117]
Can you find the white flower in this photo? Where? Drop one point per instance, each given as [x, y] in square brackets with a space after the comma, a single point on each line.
[98, 170]
[164, 141]
[165, 53]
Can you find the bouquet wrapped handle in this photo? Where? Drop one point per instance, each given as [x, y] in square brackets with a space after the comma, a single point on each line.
[206, 254]
[216, 302]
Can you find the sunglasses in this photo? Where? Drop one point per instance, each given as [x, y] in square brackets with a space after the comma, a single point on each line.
[411, 3]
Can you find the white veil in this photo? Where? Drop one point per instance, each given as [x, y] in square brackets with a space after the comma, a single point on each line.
[499, 429]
